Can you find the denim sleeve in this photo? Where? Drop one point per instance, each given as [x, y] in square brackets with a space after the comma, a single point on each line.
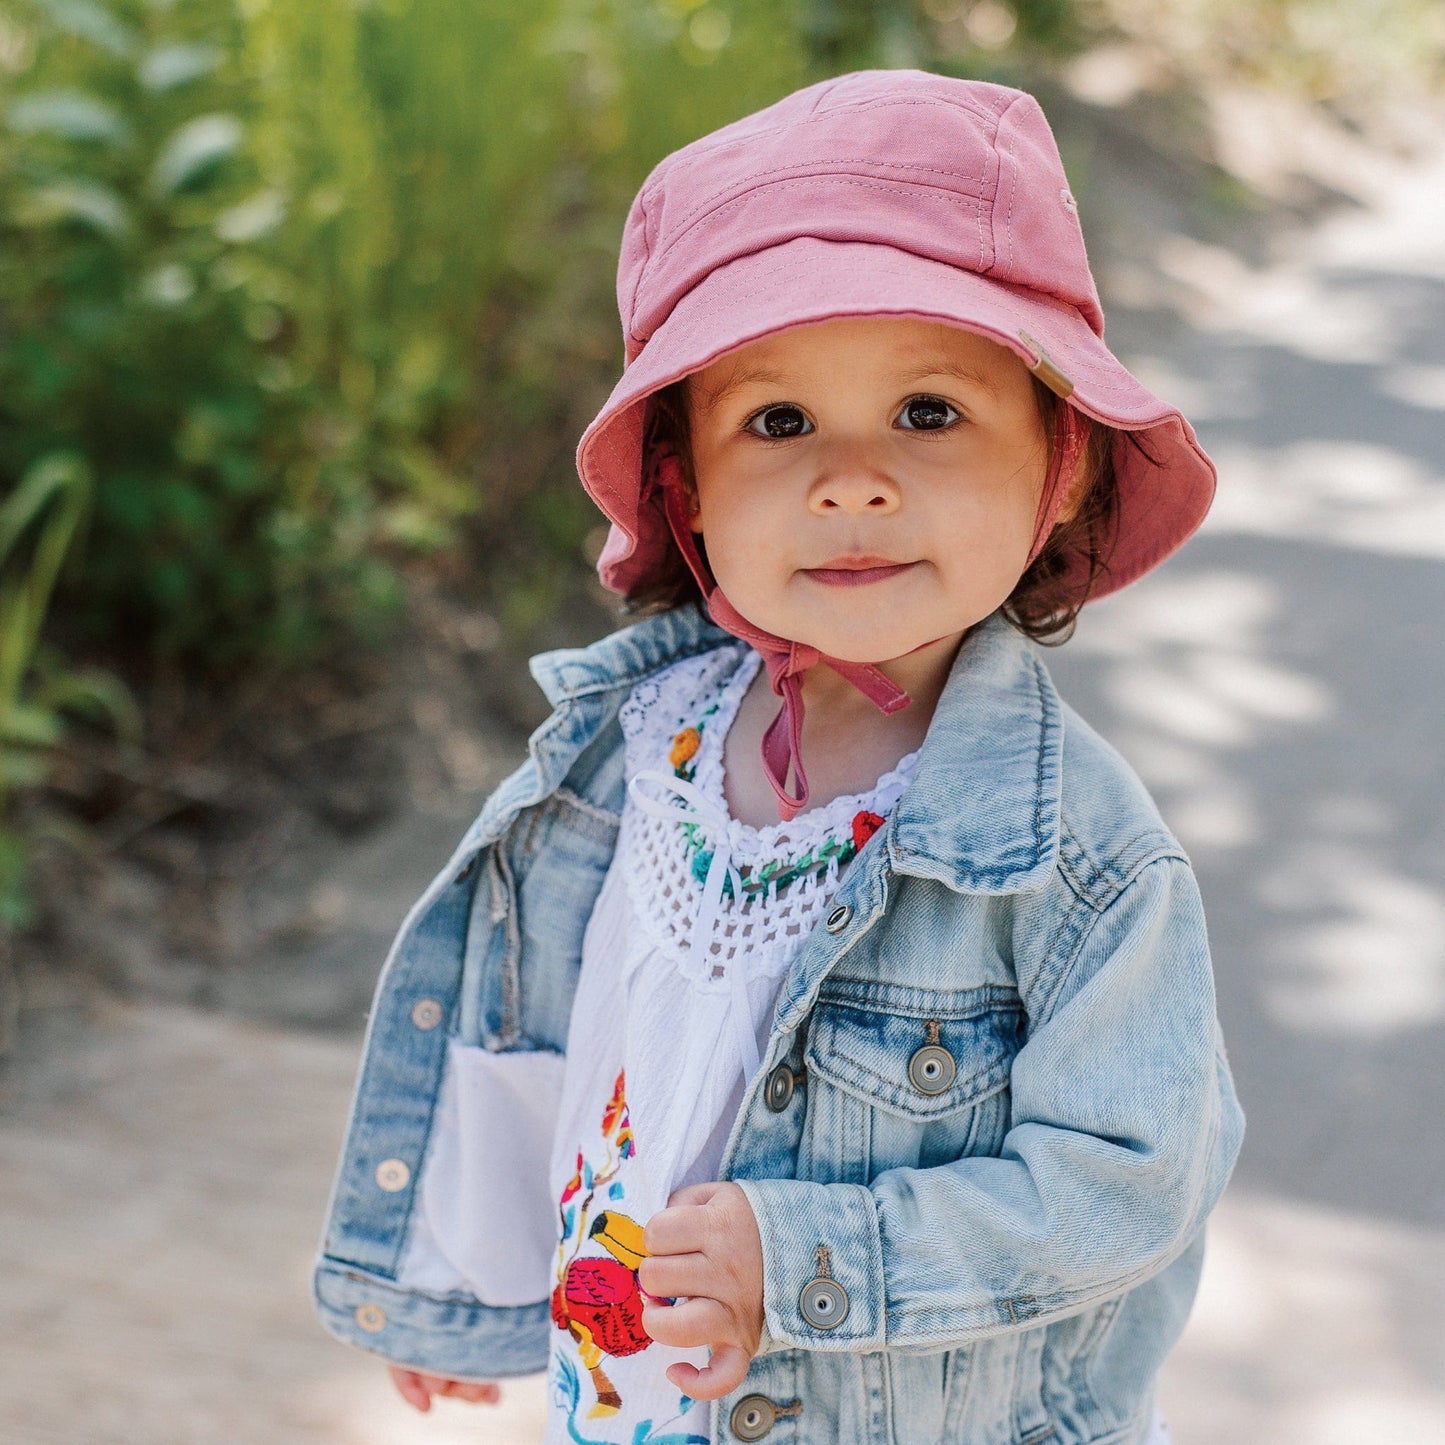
[1123, 1130]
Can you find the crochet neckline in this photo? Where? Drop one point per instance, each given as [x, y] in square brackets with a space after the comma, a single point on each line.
[821, 819]
[666, 862]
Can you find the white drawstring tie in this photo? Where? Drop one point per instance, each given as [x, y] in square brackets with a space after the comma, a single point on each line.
[719, 828]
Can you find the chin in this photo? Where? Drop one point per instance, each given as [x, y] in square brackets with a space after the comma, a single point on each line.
[864, 644]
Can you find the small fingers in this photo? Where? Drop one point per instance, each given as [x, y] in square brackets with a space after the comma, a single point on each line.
[668, 1275]
[724, 1371]
[678, 1229]
[478, 1392]
[693, 1193]
[693, 1322]
[411, 1388]
[418, 1388]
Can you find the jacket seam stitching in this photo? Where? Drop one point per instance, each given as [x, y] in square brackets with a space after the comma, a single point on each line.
[1119, 878]
[1085, 934]
[591, 810]
[1039, 764]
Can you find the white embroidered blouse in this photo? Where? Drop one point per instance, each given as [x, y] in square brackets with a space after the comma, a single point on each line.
[697, 921]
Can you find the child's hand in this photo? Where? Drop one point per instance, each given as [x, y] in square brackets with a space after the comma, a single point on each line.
[417, 1389]
[705, 1245]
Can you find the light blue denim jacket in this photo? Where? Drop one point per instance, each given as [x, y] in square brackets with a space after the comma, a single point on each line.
[1013, 1231]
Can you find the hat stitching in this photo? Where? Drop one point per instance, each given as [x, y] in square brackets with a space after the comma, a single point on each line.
[806, 170]
[880, 102]
[1013, 190]
[922, 192]
[664, 169]
[823, 92]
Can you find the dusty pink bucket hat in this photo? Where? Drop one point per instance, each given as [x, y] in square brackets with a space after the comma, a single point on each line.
[881, 193]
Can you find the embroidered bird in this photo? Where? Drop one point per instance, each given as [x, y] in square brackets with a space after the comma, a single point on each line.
[599, 1301]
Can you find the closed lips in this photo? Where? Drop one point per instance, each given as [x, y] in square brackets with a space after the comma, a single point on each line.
[855, 571]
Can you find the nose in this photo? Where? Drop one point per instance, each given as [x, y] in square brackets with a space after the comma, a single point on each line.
[853, 490]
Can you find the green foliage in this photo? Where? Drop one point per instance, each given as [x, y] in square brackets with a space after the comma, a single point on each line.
[244, 253]
[39, 523]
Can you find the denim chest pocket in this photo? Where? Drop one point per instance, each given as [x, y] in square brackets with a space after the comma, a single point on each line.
[903, 1077]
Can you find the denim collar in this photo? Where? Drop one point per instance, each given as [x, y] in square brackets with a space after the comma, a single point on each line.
[981, 813]
[625, 657]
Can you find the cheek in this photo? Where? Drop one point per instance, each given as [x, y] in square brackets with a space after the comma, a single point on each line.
[738, 510]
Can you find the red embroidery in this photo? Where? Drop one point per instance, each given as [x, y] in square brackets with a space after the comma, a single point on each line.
[865, 825]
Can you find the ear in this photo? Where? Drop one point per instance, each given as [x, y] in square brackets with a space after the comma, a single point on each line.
[688, 486]
[1076, 489]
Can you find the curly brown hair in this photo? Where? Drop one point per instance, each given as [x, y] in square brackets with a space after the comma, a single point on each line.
[1044, 604]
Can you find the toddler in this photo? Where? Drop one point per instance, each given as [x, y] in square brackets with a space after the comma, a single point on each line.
[814, 1040]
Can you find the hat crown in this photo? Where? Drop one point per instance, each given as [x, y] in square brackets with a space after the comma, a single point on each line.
[958, 171]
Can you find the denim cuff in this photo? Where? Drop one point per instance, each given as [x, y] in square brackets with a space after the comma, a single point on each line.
[822, 1264]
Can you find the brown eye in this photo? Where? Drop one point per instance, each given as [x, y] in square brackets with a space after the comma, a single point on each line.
[927, 413]
[778, 423]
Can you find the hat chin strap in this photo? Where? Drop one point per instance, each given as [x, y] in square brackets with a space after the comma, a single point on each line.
[787, 661]
[782, 746]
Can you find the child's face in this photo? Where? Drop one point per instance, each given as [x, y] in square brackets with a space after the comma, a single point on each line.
[883, 438]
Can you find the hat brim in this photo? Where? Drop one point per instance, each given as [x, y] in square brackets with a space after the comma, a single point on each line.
[1165, 486]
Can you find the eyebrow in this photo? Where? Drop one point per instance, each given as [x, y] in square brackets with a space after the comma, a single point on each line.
[947, 366]
[746, 376]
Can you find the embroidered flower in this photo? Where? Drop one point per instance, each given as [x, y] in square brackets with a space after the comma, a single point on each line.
[865, 825]
[574, 1183]
[616, 1110]
[684, 746]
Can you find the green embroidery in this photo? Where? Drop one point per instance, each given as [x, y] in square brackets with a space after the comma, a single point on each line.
[778, 873]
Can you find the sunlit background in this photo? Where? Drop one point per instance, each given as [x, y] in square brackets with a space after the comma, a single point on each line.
[303, 305]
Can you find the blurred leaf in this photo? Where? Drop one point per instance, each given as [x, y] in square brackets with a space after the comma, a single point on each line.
[93, 22]
[171, 65]
[69, 113]
[60, 480]
[431, 483]
[197, 147]
[253, 218]
[168, 285]
[96, 695]
[90, 203]
[28, 726]
[417, 527]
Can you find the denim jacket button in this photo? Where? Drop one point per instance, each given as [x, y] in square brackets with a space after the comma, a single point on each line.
[393, 1175]
[824, 1303]
[779, 1091]
[838, 919]
[931, 1069]
[752, 1417]
[426, 1013]
[371, 1318]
